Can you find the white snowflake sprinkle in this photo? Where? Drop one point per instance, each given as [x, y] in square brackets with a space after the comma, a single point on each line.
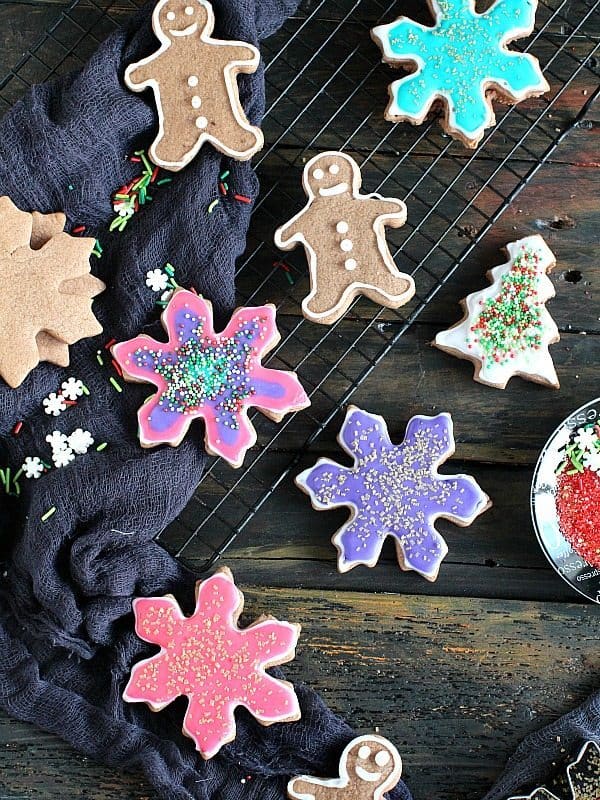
[63, 457]
[157, 280]
[58, 441]
[54, 404]
[80, 441]
[72, 388]
[586, 439]
[591, 460]
[32, 467]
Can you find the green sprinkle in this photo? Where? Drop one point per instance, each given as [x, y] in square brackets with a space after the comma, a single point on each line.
[163, 180]
[17, 488]
[70, 187]
[48, 514]
[290, 279]
[18, 474]
[2, 477]
[85, 390]
[46, 465]
[169, 269]
[102, 447]
[99, 359]
[116, 384]
[115, 223]
[121, 196]
[7, 479]
[224, 175]
[213, 205]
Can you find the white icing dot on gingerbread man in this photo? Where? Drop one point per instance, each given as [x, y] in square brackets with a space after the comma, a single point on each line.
[343, 233]
[369, 766]
[194, 80]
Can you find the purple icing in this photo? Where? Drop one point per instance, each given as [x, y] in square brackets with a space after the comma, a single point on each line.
[394, 490]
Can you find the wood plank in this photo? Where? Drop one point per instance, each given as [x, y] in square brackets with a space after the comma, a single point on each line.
[456, 683]
[415, 378]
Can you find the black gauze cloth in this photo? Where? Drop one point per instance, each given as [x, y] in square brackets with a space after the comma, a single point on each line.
[66, 628]
[536, 758]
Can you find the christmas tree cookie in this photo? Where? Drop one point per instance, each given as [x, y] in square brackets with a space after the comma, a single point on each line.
[506, 329]
[462, 62]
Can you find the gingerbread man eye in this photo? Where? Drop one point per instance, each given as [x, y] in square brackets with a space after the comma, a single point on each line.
[364, 752]
[189, 10]
[382, 758]
[170, 16]
[318, 174]
[334, 169]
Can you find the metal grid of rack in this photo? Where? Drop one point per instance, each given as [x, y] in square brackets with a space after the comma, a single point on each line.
[326, 89]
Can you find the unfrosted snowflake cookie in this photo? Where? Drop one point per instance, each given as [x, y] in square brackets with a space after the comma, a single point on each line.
[343, 234]
[194, 80]
[393, 490]
[214, 663]
[52, 307]
[369, 766]
[212, 376]
[463, 62]
[506, 328]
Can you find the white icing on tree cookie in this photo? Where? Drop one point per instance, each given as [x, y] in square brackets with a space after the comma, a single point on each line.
[507, 329]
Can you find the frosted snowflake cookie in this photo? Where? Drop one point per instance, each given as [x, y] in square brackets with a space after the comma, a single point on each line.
[463, 62]
[394, 490]
[213, 662]
[506, 328]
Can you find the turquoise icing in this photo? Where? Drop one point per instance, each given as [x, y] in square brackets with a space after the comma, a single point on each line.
[458, 57]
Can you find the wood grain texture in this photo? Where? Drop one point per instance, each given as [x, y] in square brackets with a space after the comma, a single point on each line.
[456, 672]
[456, 683]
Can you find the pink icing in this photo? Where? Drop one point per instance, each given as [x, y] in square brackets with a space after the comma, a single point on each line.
[208, 375]
[211, 661]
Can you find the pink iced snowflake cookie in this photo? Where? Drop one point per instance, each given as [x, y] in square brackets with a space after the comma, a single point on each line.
[208, 375]
[211, 661]
[394, 490]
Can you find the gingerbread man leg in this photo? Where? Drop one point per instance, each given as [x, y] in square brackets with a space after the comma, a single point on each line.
[324, 297]
[236, 138]
[172, 143]
[388, 289]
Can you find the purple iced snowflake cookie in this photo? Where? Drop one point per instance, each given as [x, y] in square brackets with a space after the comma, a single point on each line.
[394, 490]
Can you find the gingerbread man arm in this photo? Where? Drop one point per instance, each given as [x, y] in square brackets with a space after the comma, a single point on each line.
[303, 788]
[242, 54]
[288, 235]
[393, 209]
[138, 75]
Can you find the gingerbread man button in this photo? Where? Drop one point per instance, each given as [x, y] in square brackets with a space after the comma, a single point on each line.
[343, 233]
[369, 766]
[193, 77]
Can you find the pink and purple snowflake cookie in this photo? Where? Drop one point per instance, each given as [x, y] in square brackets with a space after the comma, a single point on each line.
[208, 375]
[394, 490]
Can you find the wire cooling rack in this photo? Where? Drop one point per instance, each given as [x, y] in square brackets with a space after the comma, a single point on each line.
[326, 89]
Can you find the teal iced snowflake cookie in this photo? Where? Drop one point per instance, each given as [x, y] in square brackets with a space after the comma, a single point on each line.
[462, 61]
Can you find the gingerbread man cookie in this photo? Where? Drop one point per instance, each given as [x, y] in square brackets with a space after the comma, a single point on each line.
[369, 766]
[343, 233]
[193, 77]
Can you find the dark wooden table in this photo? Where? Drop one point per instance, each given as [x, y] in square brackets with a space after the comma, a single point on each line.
[455, 672]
